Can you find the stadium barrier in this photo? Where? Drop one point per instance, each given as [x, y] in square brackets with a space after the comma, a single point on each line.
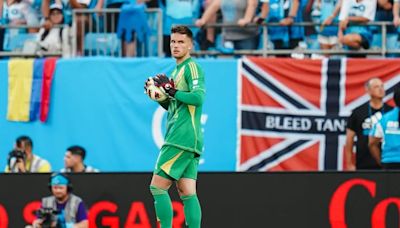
[101, 34]
[24, 44]
[99, 41]
[234, 200]
[382, 43]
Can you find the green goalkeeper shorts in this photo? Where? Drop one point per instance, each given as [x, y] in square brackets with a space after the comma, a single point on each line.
[174, 163]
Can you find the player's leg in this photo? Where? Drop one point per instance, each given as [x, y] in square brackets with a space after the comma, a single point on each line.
[159, 186]
[171, 164]
[162, 202]
[187, 191]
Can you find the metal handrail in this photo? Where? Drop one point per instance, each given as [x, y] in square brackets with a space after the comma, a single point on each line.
[265, 51]
[105, 11]
[38, 53]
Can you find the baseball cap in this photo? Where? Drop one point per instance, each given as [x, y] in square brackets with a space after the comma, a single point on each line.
[56, 6]
[58, 180]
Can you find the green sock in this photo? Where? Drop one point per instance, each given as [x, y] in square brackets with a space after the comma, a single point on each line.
[163, 206]
[192, 209]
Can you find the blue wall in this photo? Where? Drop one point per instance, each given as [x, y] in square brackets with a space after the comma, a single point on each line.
[99, 103]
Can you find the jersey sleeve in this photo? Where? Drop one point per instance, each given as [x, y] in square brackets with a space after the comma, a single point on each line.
[194, 77]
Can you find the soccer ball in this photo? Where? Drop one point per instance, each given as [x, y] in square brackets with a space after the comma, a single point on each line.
[155, 93]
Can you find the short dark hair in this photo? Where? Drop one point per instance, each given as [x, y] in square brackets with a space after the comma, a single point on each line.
[24, 139]
[77, 150]
[184, 30]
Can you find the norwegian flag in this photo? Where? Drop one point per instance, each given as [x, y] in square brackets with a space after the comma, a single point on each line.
[292, 113]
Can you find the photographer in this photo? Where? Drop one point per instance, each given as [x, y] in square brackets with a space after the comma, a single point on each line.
[62, 208]
[22, 160]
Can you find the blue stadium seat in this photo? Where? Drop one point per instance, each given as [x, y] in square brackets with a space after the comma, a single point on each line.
[101, 44]
[16, 42]
[391, 41]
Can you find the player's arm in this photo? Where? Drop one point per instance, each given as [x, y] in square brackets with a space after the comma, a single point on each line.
[195, 95]
[348, 150]
[194, 77]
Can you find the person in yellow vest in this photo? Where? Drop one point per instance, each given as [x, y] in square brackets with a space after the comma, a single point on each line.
[22, 160]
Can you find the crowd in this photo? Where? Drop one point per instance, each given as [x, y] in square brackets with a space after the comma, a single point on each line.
[341, 24]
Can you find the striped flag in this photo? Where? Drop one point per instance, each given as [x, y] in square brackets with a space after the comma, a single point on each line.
[293, 113]
[29, 86]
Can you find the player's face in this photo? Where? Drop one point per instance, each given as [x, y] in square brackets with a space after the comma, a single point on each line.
[376, 89]
[180, 45]
[59, 191]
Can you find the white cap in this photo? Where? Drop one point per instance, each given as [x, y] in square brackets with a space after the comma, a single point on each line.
[56, 6]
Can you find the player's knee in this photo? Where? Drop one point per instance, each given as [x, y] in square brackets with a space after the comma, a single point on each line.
[182, 191]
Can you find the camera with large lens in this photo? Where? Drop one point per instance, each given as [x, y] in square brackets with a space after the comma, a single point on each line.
[48, 216]
[18, 154]
[15, 156]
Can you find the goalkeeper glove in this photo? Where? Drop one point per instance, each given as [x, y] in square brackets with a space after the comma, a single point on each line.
[162, 81]
[147, 83]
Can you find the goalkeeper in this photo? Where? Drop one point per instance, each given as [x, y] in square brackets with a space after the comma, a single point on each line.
[179, 156]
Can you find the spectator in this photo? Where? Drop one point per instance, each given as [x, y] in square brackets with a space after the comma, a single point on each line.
[327, 37]
[177, 12]
[72, 211]
[19, 12]
[15, 13]
[360, 123]
[82, 20]
[55, 39]
[22, 159]
[356, 12]
[286, 13]
[73, 161]
[387, 130]
[239, 12]
[209, 41]
[384, 13]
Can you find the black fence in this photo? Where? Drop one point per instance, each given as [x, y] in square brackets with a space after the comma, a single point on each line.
[243, 200]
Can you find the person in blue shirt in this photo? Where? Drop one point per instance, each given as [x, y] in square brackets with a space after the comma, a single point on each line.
[387, 130]
[286, 13]
[327, 37]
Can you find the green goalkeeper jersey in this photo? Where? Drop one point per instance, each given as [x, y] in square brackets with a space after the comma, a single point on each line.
[184, 111]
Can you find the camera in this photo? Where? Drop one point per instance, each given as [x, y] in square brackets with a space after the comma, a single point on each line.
[18, 154]
[48, 216]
